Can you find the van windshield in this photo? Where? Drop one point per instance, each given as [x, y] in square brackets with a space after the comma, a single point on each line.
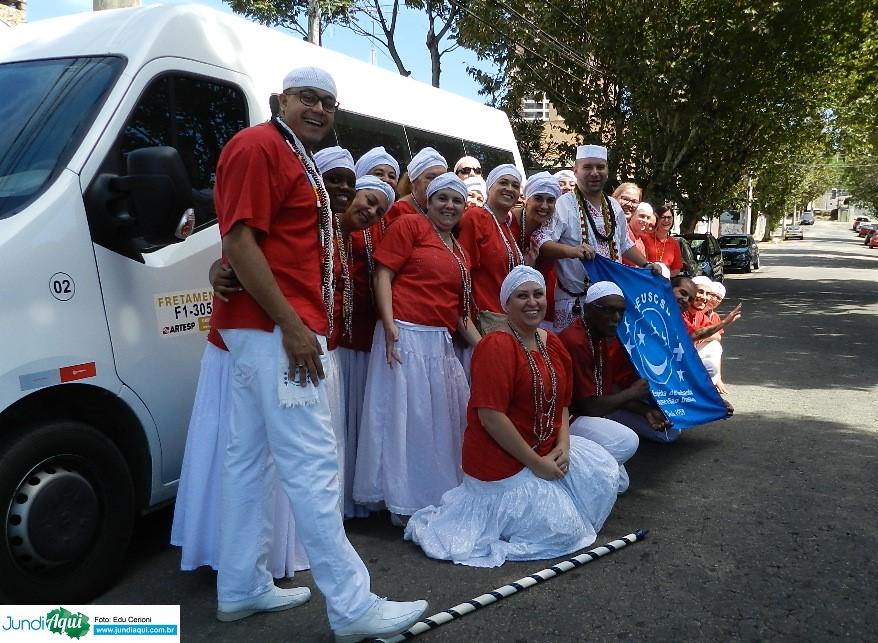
[46, 108]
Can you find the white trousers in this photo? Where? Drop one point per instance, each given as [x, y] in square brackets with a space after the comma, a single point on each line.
[711, 355]
[301, 441]
[616, 438]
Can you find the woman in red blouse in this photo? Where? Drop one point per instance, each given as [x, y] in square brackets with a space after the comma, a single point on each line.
[414, 411]
[530, 489]
[660, 246]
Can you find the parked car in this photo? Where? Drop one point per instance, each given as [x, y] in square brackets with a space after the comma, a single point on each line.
[871, 233]
[873, 240]
[807, 218]
[793, 232]
[701, 255]
[865, 228]
[739, 251]
[860, 223]
[857, 221]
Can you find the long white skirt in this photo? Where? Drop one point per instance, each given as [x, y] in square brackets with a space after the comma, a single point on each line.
[196, 515]
[523, 517]
[353, 365]
[414, 415]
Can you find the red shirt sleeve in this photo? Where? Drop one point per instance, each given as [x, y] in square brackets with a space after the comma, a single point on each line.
[676, 262]
[492, 372]
[397, 244]
[622, 370]
[469, 235]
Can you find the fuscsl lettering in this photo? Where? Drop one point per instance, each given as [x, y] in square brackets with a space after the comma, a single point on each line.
[650, 297]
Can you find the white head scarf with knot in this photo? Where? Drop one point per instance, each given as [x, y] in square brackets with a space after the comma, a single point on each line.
[519, 276]
[332, 158]
[372, 159]
[476, 183]
[565, 175]
[718, 289]
[542, 183]
[602, 289]
[449, 181]
[426, 158]
[507, 169]
[704, 282]
[370, 182]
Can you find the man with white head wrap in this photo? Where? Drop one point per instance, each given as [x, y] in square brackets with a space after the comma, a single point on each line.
[425, 166]
[518, 451]
[270, 198]
[611, 402]
[566, 179]
[586, 222]
[709, 326]
[414, 407]
[378, 162]
[487, 239]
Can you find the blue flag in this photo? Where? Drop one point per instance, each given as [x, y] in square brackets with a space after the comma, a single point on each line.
[653, 333]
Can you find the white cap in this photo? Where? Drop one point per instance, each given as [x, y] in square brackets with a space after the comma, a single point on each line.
[448, 180]
[719, 289]
[701, 280]
[369, 182]
[310, 77]
[591, 152]
[372, 159]
[331, 158]
[643, 206]
[426, 158]
[565, 175]
[542, 183]
[507, 169]
[516, 278]
[469, 161]
[601, 289]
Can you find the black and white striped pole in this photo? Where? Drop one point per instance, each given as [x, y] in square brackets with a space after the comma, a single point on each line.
[484, 600]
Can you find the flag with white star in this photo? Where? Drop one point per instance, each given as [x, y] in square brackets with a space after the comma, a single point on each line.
[653, 333]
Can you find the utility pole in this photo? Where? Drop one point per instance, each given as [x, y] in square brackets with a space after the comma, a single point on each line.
[100, 5]
[748, 213]
[314, 21]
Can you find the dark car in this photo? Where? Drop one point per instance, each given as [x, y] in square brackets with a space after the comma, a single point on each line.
[807, 218]
[701, 255]
[740, 252]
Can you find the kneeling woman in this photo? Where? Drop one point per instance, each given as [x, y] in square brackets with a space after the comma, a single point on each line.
[530, 489]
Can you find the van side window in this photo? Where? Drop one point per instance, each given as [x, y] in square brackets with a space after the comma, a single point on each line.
[197, 116]
[490, 157]
[449, 147]
[359, 134]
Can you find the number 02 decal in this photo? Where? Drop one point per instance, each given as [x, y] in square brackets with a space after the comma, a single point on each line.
[61, 286]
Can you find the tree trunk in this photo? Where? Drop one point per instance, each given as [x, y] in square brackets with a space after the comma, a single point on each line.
[314, 22]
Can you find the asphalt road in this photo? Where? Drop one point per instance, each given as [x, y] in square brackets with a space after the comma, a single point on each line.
[763, 527]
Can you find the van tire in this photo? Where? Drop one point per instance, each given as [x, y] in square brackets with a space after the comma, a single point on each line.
[68, 502]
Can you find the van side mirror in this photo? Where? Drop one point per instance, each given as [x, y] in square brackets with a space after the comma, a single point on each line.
[159, 195]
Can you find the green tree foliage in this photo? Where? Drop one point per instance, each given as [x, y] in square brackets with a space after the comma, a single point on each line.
[291, 14]
[690, 95]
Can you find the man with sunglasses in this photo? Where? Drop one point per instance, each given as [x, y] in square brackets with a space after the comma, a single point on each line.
[611, 404]
[466, 167]
[277, 234]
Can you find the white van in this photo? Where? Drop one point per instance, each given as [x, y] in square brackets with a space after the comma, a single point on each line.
[112, 123]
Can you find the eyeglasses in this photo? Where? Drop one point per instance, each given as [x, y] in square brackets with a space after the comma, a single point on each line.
[310, 99]
[469, 170]
[610, 310]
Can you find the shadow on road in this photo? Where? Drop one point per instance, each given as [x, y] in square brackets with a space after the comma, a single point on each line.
[826, 259]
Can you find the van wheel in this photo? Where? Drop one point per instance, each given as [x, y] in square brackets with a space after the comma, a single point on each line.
[68, 501]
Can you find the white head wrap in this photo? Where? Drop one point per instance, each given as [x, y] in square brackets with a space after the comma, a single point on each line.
[331, 158]
[507, 169]
[719, 289]
[541, 183]
[645, 207]
[591, 152]
[448, 180]
[476, 183]
[369, 182]
[701, 280]
[515, 279]
[601, 289]
[467, 161]
[426, 158]
[567, 175]
[310, 77]
[372, 159]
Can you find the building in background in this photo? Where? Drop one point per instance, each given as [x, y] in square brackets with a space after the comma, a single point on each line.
[538, 108]
[13, 12]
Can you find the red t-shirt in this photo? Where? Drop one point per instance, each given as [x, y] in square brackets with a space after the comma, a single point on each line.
[667, 251]
[591, 358]
[488, 255]
[364, 314]
[694, 320]
[546, 267]
[638, 243]
[426, 286]
[262, 184]
[501, 381]
[395, 211]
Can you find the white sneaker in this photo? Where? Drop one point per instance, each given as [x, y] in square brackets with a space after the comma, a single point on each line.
[274, 600]
[384, 618]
